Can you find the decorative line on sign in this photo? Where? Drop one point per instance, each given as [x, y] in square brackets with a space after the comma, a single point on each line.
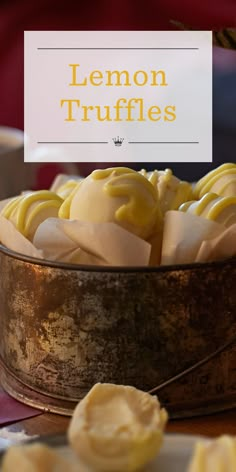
[163, 142]
[117, 142]
[121, 49]
[72, 142]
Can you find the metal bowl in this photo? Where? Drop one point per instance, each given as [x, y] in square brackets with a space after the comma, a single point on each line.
[65, 327]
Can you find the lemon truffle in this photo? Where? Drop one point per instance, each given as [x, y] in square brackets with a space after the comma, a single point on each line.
[116, 427]
[214, 456]
[221, 181]
[36, 458]
[172, 192]
[29, 210]
[213, 207]
[118, 195]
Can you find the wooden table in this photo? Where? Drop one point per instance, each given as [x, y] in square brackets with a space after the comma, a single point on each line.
[212, 425]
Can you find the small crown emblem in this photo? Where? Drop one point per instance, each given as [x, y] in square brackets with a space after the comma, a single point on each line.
[118, 141]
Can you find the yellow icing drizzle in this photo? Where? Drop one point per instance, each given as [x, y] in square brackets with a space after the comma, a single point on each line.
[143, 172]
[153, 178]
[137, 211]
[168, 174]
[100, 174]
[10, 207]
[204, 185]
[219, 206]
[38, 208]
[207, 187]
[184, 192]
[205, 200]
[181, 190]
[185, 206]
[173, 191]
[64, 211]
[230, 182]
[22, 205]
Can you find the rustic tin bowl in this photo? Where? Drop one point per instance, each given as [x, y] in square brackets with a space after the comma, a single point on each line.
[65, 327]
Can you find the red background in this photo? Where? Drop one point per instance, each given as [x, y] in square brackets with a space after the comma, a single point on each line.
[19, 15]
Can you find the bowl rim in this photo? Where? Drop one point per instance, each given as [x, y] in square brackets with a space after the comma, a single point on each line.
[111, 269]
[18, 137]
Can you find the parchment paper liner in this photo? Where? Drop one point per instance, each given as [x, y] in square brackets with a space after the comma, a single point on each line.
[78, 242]
[186, 238]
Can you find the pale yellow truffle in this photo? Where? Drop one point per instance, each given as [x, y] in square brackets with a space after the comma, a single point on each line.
[172, 192]
[29, 210]
[215, 456]
[36, 458]
[118, 195]
[213, 207]
[117, 428]
[221, 181]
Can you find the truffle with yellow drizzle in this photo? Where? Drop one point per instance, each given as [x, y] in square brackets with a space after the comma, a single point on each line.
[213, 207]
[37, 458]
[117, 428]
[214, 456]
[221, 181]
[118, 195]
[27, 211]
[172, 192]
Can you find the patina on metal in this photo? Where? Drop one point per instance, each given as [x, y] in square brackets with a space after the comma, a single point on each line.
[65, 327]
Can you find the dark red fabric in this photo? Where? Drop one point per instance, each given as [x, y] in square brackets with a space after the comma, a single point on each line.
[11, 410]
[16, 16]
[19, 15]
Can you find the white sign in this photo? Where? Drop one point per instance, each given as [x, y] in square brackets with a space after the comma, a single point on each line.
[118, 96]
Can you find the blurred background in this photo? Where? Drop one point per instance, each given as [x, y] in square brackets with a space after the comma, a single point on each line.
[19, 15]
